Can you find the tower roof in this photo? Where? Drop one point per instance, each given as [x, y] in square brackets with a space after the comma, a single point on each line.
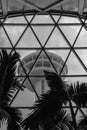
[35, 63]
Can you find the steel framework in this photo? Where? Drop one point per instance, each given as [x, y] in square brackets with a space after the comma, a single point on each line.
[55, 23]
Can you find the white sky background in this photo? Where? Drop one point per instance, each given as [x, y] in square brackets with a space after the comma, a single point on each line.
[25, 98]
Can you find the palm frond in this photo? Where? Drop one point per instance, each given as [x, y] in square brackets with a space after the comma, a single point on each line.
[82, 125]
[54, 81]
[78, 93]
[63, 121]
[14, 118]
[44, 110]
[57, 84]
[3, 124]
[3, 116]
[7, 74]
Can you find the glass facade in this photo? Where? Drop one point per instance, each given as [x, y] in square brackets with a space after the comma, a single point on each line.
[58, 33]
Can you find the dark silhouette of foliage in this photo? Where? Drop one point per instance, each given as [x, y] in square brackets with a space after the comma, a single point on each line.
[8, 85]
[47, 112]
[55, 82]
[82, 125]
[78, 93]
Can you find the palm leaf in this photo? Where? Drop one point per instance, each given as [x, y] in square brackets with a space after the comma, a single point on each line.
[60, 120]
[60, 87]
[54, 80]
[14, 118]
[44, 111]
[57, 84]
[78, 93]
[63, 121]
[82, 125]
[3, 116]
[7, 74]
[3, 124]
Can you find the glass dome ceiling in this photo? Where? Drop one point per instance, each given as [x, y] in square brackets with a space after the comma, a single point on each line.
[58, 26]
[13, 6]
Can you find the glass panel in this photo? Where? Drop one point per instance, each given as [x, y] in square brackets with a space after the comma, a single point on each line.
[14, 32]
[56, 40]
[56, 17]
[65, 19]
[70, 32]
[39, 19]
[74, 66]
[46, 63]
[83, 55]
[42, 33]
[59, 55]
[29, 17]
[18, 19]
[28, 40]
[81, 41]
[4, 41]
[74, 79]
[24, 98]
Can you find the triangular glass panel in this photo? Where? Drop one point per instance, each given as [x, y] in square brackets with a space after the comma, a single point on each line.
[40, 85]
[81, 41]
[14, 20]
[36, 85]
[4, 42]
[25, 112]
[44, 62]
[85, 21]
[14, 32]
[8, 50]
[29, 17]
[74, 79]
[28, 40]
[24, 98]
[74, 66]
[61, 55]
[42, 32]
[21, 70]
[70, 32]
[42, 19]
[81, 20]
[80, 114]
[56, 17]
[25, 52]
[26, 65]
[83, 55]
[56, 40]
[65, 19]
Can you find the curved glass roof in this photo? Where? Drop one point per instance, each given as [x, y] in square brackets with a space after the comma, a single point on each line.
[45, 25]
[13, 6]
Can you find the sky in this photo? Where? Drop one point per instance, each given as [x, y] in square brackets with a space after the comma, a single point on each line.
[26, 98]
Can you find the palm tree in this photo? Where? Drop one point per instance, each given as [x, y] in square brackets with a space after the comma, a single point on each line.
[8, 84]
[82, 125]
[78, 94]
[55, 82]
[47, 112]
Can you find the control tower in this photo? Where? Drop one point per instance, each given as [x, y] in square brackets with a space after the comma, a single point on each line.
[42, 63]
